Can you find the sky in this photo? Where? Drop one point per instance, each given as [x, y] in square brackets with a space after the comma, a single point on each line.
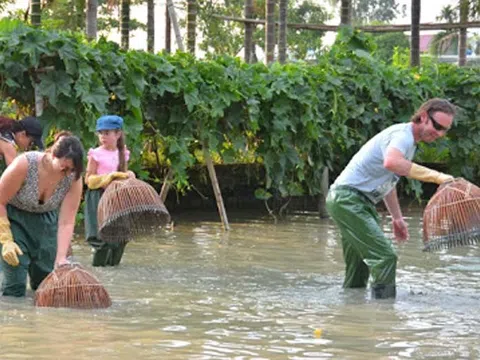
[430, 9]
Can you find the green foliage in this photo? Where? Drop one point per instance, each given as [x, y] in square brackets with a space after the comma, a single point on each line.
[294, 119]
[226, 37]
[384, 11]
[388, 43]
[4, 4]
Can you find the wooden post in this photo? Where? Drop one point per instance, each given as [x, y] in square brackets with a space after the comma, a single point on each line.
[322, 210]
[216, 187]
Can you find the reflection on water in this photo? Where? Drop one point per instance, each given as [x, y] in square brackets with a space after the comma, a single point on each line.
[257, 292]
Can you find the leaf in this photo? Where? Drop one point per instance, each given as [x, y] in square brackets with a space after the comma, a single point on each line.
[262, 194]
[54, 83]
[98, 97]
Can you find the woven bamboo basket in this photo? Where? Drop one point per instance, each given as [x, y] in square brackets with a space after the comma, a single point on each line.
[128, 209]
[452, 216]
[71, 286]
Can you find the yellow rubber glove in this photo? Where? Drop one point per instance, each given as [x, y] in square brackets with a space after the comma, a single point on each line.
[101, 181]
[10, 250]
[425, 174]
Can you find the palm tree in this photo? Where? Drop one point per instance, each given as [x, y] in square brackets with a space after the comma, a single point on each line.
[269, 31]
[150, 25]
[168, 32]
[125, 23]
[91, 19]
[462, 41]
[415, 34]
[36, 13]
[191, 25]
[282, 31]
[346, 12]
[249, 27]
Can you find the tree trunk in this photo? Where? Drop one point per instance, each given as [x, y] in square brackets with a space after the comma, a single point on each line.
[248, 40]
[151, 26]
[176, 27]
[346, 12]
[91, 19]
[462, 40]
[269, 31]
[415, 34]
[168, 32]
[282, 32]
[125, 24]
[36, 13]
[191, 25]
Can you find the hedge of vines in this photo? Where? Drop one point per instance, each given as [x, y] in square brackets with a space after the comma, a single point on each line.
[294, 118]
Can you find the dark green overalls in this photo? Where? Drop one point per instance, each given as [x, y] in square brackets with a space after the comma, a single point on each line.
[105, 254]
[366, 250]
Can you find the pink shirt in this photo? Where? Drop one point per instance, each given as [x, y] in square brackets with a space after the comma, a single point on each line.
[107, 160]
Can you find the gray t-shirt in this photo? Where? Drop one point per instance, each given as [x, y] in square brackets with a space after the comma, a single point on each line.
[366, 172]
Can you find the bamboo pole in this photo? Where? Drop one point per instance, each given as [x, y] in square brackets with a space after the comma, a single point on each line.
[176, 27]
[216, 187]
[166, 185]
[366, 28]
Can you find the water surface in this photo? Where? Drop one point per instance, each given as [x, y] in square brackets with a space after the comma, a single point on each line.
[257, 292]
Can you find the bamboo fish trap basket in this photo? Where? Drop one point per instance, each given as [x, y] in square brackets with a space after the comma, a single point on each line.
[130, 208]
[452, 216]
[71, 286]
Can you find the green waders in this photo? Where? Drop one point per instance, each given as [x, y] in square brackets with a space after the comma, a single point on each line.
[105, 254]
[366, 250]
[36, 235]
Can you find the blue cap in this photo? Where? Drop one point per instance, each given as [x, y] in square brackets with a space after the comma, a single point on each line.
[109, 122]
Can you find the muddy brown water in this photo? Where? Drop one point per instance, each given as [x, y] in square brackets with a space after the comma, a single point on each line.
[257, 292]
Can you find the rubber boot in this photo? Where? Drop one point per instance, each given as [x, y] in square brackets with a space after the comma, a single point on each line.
[116, 255]
[381, 291]
[102, 256]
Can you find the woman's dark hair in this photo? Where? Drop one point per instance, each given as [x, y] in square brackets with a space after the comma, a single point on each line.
[69, 147]
[432, 106]
[122, 161]
[9, 124]
[61, 133]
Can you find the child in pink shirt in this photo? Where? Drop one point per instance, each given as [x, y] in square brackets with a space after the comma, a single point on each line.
[106, 162]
